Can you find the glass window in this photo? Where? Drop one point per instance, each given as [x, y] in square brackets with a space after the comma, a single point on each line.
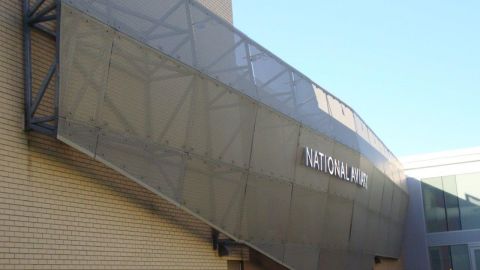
[451, 203]
[476, 253]
[441, 204]
[460, 258]
[434, 204]
[449, 258]
[440, 258]
[468, 189]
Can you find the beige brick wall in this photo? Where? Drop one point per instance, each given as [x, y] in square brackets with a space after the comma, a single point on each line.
[223, 8]
[389, 264]
[62, 210]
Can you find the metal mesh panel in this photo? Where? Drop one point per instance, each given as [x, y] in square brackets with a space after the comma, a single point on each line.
[381, 246]
[403, 206]
[316, 115]
[228, 58]
[163, 25]
[332, 259]
[301, 256]
[363, 197]
[222, 124]
[148, 96]
[342, 187]
[395, 239]
[372, 232]
[306, 100]
[344, 135]
[403, 179]
[376, 182]
[215, 192]
[276, 250]
[387, 197]
[366, 149]
[376, 158]
[79, 135]
[189, 119]
[390, 171]
[184, 30]
[274, 81]
[311, 107]
[124, 107]
[337, 225]
[361, 128]
[352, 261]
[274, 145]
[342, 123]
[358, 237]
[84, 57]
[262, 223]
[397, 202]
[309, 177]
[366, 262]
[341, 113]
[307, 216]
[159, 169]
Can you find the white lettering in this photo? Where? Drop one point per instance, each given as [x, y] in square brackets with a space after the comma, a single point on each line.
[308, 157]
[328, 164]
[353, 175]
[316, 165]
[346, 172]
[342, 171]
[337, 167]
[321, 158]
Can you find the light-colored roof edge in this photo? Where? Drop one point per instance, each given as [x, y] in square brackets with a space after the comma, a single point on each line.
[442, 158]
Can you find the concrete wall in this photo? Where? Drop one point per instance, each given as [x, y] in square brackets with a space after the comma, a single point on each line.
[60, 209]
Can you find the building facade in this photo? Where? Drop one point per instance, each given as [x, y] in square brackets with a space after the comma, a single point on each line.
[60, 209]
[154, 135]
[443, 222]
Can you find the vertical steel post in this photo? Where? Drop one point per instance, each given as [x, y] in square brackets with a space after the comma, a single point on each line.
[33, 17]
[57, 60]
[192, 33]
[293, 87]
[27, 61]
[251, 73]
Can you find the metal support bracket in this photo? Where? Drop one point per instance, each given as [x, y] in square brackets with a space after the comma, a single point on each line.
[221, 245]
[38, 16]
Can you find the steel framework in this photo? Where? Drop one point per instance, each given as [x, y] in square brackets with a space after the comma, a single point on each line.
[179, 101]
[36, 15]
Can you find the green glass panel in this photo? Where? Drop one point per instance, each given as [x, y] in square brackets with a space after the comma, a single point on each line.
[434, 204]
[460, 258]
[477, 258]
[440, 258]
[451, 203]
[468, 188]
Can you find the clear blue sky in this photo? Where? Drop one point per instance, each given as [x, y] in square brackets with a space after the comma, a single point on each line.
[411, 69]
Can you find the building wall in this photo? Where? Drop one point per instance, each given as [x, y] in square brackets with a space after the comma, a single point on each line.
[229, 173]
[389, 264]
[443, 227]
[223, 8]
[59, 208]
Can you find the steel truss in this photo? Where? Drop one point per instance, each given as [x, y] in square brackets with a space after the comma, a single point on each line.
[36, 16]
